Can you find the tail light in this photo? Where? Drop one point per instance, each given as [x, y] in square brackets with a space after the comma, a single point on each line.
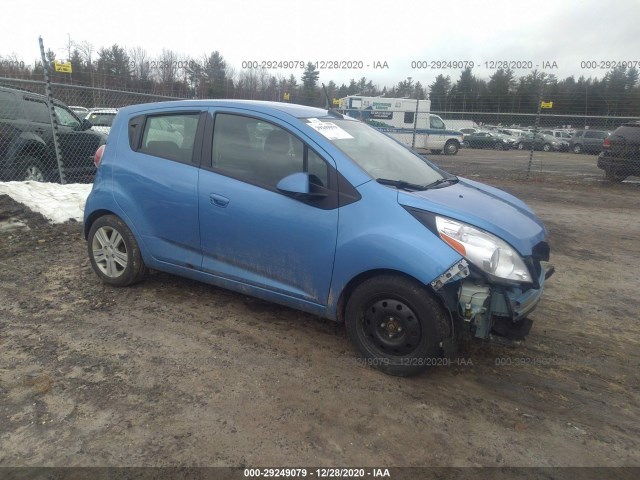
[606, 144]
[98, 156]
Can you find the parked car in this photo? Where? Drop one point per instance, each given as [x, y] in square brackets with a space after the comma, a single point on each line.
[488, 140]
[320, 212]
[587, 141]
[540, 141]
[512, 132]
[101, 119]
[26, 139]
[560, 134]
[620, 155]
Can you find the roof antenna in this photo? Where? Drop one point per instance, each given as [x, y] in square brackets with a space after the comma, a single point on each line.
[330, 110]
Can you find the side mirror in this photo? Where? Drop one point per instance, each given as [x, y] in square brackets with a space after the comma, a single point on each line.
[85, 125]
[298, 185]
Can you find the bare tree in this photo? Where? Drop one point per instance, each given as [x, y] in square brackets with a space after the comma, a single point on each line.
[140, 62]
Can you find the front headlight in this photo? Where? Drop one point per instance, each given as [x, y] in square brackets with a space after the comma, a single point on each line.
[484, 250]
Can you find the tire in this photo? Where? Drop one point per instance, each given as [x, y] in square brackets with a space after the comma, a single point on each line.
[396, 324]
[31, 169]
[436, 152]
[612, 176]
[114, 252]
[577, 149]
[451, 147]
[520, 146]
[546, 147]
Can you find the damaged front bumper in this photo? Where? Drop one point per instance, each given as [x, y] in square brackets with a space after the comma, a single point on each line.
[490, 310]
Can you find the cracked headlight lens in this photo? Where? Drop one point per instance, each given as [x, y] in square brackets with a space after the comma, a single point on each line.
[484, 250]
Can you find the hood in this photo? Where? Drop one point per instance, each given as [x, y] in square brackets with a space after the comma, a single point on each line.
[484, 207]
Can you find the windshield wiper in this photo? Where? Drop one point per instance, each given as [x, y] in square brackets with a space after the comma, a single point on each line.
[402, 184]
[449, 180]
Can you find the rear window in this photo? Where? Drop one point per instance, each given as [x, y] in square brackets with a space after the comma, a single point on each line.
[592, 134]
[631, 133]
[170, 136]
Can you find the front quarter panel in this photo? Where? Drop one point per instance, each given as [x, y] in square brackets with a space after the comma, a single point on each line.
[377, 233]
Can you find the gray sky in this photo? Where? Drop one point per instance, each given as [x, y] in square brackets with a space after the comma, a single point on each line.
[397, 32]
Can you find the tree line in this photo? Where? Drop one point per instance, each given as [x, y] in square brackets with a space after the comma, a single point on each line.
[171, 74]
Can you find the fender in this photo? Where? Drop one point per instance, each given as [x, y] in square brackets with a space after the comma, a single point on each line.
[409, 248]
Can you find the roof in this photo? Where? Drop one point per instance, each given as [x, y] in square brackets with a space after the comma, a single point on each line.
[295, 110]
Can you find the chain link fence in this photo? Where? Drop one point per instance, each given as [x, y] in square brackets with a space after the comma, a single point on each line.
[58, 147]
[82, 117]
[538, 143]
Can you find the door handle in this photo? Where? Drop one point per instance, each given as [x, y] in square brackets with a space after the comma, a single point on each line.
[218, 200]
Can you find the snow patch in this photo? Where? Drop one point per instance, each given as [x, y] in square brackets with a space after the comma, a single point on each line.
[58, 203]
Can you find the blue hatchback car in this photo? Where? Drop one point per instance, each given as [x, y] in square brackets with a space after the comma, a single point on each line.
[320, 212]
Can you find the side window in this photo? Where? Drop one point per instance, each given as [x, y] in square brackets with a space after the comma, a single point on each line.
[318, 169]
[261, 153]
[408, 117]
[435, 122]
[36, 111]
[8, 106]
[170, 136]
[65, 117]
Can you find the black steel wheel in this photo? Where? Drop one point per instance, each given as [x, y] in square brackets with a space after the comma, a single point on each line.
[396, 324]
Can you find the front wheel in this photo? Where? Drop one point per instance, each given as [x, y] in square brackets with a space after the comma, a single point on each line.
[577, 149]
[114, 252]
[520, 146]
[451, 147]
[546, 147]
[396, 324]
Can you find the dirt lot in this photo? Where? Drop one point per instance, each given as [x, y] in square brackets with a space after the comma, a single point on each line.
[173, 372]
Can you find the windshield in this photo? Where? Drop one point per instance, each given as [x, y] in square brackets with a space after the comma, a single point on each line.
[377, 154]
[101, 119]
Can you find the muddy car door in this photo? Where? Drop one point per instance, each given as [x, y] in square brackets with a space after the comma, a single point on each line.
[256, 230]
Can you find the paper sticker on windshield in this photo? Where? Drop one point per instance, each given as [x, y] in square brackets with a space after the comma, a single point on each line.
[328, 129]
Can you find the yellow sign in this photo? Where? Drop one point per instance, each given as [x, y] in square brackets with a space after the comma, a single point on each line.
[546, 104]
[62, 67]
[335, 101]
[286, 96]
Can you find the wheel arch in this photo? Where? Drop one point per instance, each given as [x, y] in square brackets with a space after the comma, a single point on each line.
[96, 215]
[356, 281]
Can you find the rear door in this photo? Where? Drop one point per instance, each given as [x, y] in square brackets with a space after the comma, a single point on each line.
[251, 232]
[159, 174]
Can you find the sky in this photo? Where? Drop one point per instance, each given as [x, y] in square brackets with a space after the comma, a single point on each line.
[555, 36]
